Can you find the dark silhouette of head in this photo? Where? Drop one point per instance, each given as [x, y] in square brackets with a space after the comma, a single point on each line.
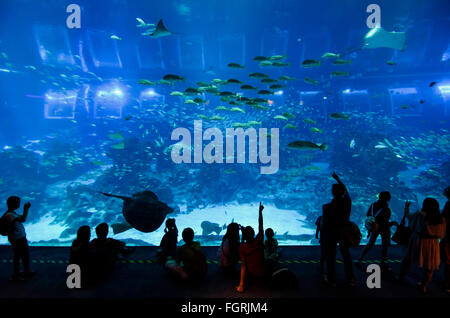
[432, 213]
[84, 234]
[269, 233]
[248, 234]
[232, 232]
[447, 193]
[188, 235]
[13, 203]
[384, 196]
[170, 225]
[337, 190]
[102, 231]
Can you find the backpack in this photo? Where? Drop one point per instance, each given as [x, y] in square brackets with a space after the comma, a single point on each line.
[402, 234]
[371, 222]
[351, 235]
[4, 225]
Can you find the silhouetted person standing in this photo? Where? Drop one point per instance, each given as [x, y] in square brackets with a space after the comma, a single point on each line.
[427, 226]
[382, 213]
[17, 237]
[336, 215]
[445, 242]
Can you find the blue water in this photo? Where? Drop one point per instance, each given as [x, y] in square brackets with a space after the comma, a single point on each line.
[74, 120]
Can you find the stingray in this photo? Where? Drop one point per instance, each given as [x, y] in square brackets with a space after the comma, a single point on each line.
[143, 212]
[160, 31]
[379, 37]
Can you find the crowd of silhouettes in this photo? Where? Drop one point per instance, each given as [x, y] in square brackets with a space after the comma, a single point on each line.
[428, 244]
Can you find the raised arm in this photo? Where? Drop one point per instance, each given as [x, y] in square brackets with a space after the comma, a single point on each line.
[260, 219]
[407, 204]
[338, 180]
[23, 217]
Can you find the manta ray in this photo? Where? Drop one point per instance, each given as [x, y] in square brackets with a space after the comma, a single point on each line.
[160, 31]
[143, 212]
[379, 37]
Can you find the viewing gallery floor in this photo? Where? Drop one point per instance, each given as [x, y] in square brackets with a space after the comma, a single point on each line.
[138, 276]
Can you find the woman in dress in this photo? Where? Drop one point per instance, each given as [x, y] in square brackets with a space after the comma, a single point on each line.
[428, 227]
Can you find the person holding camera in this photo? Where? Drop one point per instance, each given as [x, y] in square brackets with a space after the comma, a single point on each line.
[17, 237]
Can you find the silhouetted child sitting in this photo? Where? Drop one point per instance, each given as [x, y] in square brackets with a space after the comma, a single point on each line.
[270, 249]
[169, 241]
[251, 253]
[190, 263]
[105, 251]
[15, 230]
[80, 253]
[228, 252]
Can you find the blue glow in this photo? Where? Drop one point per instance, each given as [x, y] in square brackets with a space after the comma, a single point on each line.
[445, 89]
[403, 91]
[150, 92]
[348, 91]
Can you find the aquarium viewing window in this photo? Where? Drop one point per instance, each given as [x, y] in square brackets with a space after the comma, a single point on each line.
[102, 98]
[60, 105]
[53, 44]
[108, 102]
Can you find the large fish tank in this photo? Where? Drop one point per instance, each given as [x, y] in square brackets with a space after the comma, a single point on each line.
[90, 109]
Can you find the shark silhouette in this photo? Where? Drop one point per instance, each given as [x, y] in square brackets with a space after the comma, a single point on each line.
[160, 31]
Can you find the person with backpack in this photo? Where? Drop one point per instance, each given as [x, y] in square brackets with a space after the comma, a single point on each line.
[12, 226]
[380, 213]
[190, 263]
[335, 219]
[252, 253]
